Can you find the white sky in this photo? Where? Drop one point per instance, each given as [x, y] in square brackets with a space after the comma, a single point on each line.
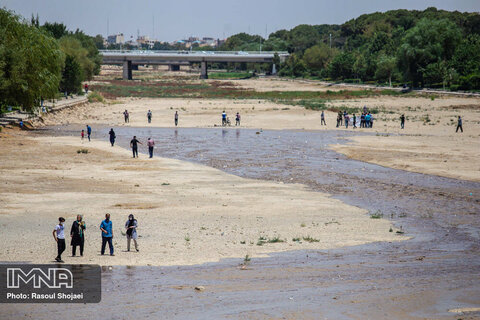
[176, 19]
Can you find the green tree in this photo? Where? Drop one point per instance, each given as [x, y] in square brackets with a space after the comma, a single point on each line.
[466, 59]
[30, 63]
[341, 66]
[56, 30]
[385, 67]
[318, 56]
[428, 42]
[71, 76]
[73, 47]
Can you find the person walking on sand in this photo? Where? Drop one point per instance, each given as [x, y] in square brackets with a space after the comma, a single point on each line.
[237, 119]
[459, 124]
[77, 233]
[107, 234]
[224, 118]
[112, 136]
[82, 134]
[176, 118]
[131, 226]
[149, 116]
[151, 145]
[134, 145]
[59, 236]
[89, 132]
[402, 121]
[126, 116]
[322, 117]
[354, 121]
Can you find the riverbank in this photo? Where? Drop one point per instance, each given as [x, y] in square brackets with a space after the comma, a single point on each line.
[187, 213]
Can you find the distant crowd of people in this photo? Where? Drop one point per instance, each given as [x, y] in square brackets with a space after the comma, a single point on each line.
[77, 235]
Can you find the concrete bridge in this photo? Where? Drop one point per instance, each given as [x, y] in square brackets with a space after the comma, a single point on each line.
[176, 58]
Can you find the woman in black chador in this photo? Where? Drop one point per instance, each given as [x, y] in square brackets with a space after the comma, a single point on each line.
[78, 235]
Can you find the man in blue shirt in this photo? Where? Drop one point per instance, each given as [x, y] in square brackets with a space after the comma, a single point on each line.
[107, 234]
[89, 131]
[224, 118]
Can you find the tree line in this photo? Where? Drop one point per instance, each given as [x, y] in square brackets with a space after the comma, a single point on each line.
[430, 48]
[40, 61]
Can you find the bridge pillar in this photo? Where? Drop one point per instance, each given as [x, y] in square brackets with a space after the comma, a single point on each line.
[274, 69]
[127, 70]
[203, 70]
[174, 67]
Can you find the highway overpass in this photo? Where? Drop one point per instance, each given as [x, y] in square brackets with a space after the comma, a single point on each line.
[176, 58]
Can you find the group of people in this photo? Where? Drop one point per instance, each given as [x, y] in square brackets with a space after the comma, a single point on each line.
[89, 132]
[126, 116]
[366, 119]
[77, 235]
[226, 120]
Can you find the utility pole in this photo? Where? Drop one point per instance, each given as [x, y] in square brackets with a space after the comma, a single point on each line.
[107, 29]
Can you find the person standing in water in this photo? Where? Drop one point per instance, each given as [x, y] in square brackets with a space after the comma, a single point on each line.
[149, 116]
[176, 118]
[77, 233]
[131, 226]
[112, 136]
[59, 236]
[459, 124]
[402, 121]
[107, 234]
[134, 145]
[89, 132]
[237, 119]
[322, 121]
[151, 145]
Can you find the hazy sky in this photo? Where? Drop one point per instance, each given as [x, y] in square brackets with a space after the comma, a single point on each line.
[169, 20]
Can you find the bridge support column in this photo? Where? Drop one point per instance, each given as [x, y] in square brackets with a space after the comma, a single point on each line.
[203, 70]
[174, 67]
[274, 69]
[127, 70]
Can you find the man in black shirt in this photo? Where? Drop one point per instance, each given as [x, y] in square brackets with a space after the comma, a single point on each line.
[134, 146]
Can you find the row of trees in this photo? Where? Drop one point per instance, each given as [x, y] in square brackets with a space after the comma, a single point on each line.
[38, 61]
[433, 48]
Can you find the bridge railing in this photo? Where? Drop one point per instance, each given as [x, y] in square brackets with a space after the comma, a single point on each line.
[184, 52]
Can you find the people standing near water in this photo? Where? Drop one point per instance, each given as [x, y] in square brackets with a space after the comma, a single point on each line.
[347, 119]
[371, 120]
[354, 121]
[134, 145]
[367, 120]
[89, 132]
[176, 118]
[59, 236]
[237, 119]
[107, 234]
[149, 116]
[151, 145]
[459, 124]
[362, 120]
[82, 134]
[131, 226]
[126, 116]
[224, 118]
[77, 233]
[340, 118]
[402, 121]
[112, 136]
[322, 117]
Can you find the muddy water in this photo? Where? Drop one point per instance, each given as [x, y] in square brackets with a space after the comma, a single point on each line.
[437, 270]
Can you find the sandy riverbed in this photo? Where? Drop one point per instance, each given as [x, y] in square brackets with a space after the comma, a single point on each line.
[188, 213]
